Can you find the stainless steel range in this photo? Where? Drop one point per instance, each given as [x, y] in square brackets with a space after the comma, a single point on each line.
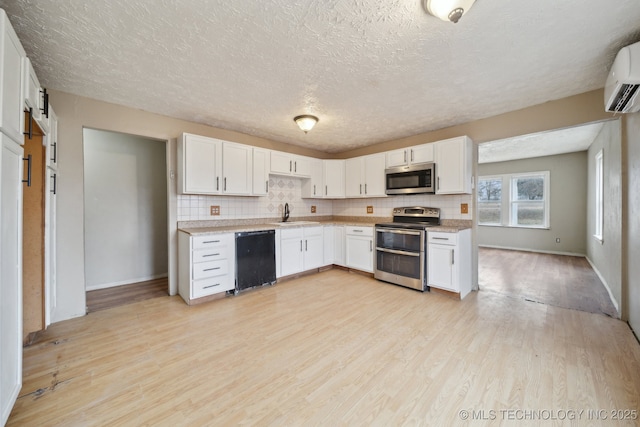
[401, 247]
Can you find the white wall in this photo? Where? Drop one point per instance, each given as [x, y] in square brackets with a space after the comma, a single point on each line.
[125, 209]
[606, 256]
[631, 230]
[568, 205]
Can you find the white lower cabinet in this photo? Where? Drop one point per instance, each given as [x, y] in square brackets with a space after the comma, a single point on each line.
[301, 249]
[206, 264]
[338, 245]
[328, 245]
[449, 261]
[359, 248]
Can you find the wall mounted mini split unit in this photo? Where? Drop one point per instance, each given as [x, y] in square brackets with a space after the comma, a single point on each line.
[623, 82]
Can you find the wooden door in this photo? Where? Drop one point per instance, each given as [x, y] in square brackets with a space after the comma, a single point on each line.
[33, 234]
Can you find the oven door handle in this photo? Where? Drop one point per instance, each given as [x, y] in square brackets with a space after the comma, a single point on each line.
[393, 251]
[391, 230]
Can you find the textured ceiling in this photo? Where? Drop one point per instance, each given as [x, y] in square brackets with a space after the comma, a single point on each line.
[372, 71]
[560, 141]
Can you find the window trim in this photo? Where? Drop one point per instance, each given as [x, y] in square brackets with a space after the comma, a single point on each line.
[599, 196]
[507, 203]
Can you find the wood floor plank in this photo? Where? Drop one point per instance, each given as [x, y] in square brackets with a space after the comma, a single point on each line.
[335, 348]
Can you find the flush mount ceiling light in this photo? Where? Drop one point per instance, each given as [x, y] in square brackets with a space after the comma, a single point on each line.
[447, 10]
[305, 122]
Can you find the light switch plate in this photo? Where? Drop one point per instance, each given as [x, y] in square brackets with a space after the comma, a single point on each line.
[369, 209]
[313, 209]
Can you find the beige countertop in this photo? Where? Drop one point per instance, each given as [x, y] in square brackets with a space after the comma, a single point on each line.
[447, 227]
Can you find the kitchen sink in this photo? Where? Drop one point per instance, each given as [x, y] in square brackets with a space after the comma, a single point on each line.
[293, 223]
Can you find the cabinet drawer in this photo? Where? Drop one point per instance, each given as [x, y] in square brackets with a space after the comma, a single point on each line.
[210, 269]
[210, 254]
[291, 233]
[359, 231]
[212, 285]
[209, 241]
[442, 238]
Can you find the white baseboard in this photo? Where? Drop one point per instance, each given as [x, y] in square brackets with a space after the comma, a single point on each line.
[533, 250]
[606, 286]
[126, 282]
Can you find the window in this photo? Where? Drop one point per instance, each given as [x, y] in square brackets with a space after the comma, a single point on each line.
[514, 200]
[599, 192]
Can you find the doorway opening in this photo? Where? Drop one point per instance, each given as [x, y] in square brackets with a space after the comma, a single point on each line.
[126, 218]
[536, 203]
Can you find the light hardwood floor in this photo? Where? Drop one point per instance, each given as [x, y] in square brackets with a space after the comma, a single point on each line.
[334, 348]
[102, 299]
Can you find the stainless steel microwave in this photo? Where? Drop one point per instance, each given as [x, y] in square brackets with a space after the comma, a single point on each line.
[412, 179]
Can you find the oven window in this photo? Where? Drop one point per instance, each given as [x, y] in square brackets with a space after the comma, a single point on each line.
[402, 265]
[399, 241]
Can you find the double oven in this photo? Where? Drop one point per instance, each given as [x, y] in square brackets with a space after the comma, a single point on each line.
[401, 247]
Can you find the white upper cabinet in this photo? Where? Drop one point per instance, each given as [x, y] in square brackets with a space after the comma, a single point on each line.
[199, 164]
[364, 176]
[52, 141]
[333, 178]
[236, 169]
[290, 164]
[260, 172]
[312, 187]
[454, 165]
[33, 99]
[11, 85]
[419, 154]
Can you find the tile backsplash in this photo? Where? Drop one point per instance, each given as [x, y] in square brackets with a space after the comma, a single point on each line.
[288, 190]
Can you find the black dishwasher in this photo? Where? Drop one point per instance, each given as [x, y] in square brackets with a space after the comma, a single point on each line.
[255, 259]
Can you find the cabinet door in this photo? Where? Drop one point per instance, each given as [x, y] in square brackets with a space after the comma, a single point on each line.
[237, 167]
[281, 163]
[52, 141]
[260, 177]
[31, 90]
[328, 245]
[312, 187]
[339, 245]
[440, 267]
[302, 166]
[200, 161]
[313, 249]
[453, 166]
[397, 158]
[291, 255]
[11, 174]
[11, 75]
[421, 153]
[333, 178]
[353, 183]
[360, 252]
[374, 177]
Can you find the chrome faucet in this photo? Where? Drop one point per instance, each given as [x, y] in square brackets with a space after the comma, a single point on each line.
[285, 216]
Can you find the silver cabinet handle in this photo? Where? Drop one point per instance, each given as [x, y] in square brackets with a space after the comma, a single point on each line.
[295, 166]
[360, 188]
[440, 238]
[212, 269]
[217, 183]
[211, 241]
[211, 286]
[314, 189]
[306, 248]
[208, 255]
[365, 189]
[388, 230]
[266, 186]
[405, 156]
[453, 256]
[412, 154]
[300, 245]
[397, 252]
[370, 245]
[225, 184]
[326, 190]
[290, 165]
[438, 183]
[55, 183]
[358, 231]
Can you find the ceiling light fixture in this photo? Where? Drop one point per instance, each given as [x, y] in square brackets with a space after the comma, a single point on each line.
[305, 122]
[447, 10]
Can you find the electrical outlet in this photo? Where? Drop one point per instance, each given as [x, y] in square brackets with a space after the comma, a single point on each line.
[369, 209]
[215, 210]
[313, 209]
[464, 208]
